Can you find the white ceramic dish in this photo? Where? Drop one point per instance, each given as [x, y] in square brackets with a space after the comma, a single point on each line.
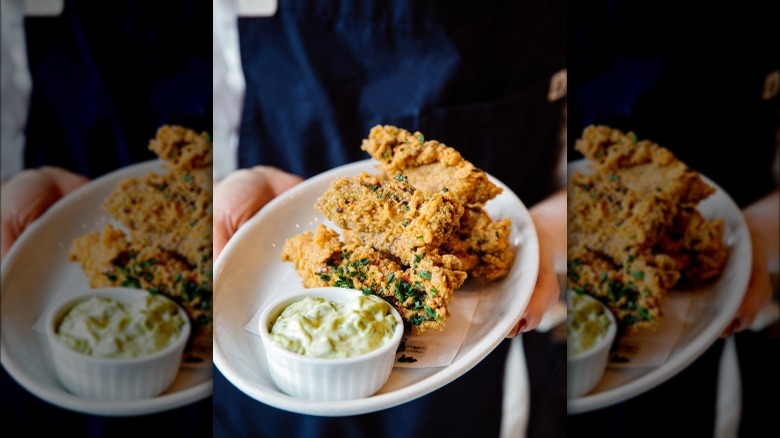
[584, 370]
[110, 379]
[249, 274]
[327, 379]
[716, 303]
[36, 273]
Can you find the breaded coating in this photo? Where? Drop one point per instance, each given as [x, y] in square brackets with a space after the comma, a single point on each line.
[606, 217]
[171, 210]
[430, 166]
[410, 233]
[696, 245]
[642, 166]
[634, 289]
[182, 149]
[391, 215]
[420, 292]
[167, 248]
[633, 228]
[109, 259]
[482, 245]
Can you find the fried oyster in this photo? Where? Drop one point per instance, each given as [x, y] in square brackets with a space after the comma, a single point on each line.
[391, 215]
[420, 292]
[166, 247]
[634, 230]
[432, 167]
[409, 235]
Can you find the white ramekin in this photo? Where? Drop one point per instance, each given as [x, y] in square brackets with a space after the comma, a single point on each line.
[327, 379]
[584, 370]
[114, 379]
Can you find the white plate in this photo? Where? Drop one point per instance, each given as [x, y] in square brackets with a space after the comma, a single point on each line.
[36, 272]
[250, 274]
[719, 301]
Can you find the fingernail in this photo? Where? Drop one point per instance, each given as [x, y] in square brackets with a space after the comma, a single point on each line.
[522, 325]
[731, 327]
[517, 329]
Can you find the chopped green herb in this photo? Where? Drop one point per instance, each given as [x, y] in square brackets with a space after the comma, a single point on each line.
[400, 177]
[639, 275]
[445, 190]
[325, 277]
[614, 177]
[187, 177]
[421, 138]
[425, 274]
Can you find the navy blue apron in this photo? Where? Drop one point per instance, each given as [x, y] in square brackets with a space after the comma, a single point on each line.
[474, 75]
[106, 75]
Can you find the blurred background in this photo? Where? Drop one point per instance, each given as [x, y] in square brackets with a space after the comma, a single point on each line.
[703, 81]
[85, 86]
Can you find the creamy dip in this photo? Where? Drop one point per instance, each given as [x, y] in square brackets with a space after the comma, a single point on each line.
[587, 323]
[107, 328]
[321, 328]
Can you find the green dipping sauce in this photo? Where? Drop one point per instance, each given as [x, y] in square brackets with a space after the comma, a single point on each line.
[108, 328]
[588, 323]
[320, 328]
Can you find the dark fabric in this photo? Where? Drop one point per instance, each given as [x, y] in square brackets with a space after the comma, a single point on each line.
[759, 360]
[468, 407]
[106, 75]
[475, 76]
[24, 415]
[682, 406]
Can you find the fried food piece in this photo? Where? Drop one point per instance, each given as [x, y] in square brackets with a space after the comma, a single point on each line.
[696, 245]
[391, 215]
[182, 149]
[642, 166]
[430, 166]
[634, 289]
[171, 210]
[482, 245]
[604, 216]
[167, 248]
[420, 292]
[108, 259]
[634, 230]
